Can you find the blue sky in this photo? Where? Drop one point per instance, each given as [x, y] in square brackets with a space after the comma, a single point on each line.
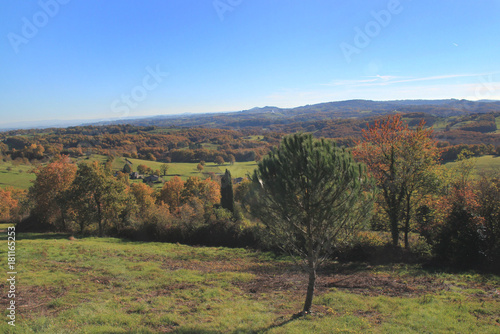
[89, 59]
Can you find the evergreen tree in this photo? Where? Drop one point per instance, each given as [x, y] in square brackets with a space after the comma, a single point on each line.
[127, 169]
[311, 197]
[226, 191]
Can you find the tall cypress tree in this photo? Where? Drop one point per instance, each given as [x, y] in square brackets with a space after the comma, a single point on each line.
[226, 191]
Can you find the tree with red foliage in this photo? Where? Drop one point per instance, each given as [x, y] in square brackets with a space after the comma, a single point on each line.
[403, 161]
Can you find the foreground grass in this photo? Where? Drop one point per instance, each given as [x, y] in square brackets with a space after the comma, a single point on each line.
[113, 286]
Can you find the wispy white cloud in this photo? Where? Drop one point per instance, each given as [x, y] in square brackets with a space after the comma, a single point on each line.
[483, 87]
[357, 82]
[384, 80]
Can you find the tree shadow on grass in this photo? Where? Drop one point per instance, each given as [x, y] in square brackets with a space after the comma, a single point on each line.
[281, 323]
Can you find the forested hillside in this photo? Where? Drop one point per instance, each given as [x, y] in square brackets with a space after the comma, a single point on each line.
[248, 135]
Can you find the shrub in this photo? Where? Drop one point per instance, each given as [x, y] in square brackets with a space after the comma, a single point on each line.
[461, 238]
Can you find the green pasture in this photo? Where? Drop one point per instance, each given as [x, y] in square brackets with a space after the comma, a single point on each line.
[483, 163]
[15, 175]
[185, 170]
[20, 177]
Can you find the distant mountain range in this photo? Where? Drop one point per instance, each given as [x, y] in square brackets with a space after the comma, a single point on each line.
[275, 115]
[259, 117]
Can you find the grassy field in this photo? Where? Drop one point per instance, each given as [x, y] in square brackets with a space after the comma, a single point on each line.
[497, 121]
[20, 176]
[184, 170]
[112, 286]
[485, 163]
[15, 176]
[238, 169]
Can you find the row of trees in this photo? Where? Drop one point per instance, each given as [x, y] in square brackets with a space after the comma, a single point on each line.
[88, 198]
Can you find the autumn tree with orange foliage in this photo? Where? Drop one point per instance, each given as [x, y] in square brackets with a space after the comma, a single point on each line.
[47, 192]
[144, 196]
[403, 162]
[10, 199]
[206, 190]
[176, 193]
[171, 193]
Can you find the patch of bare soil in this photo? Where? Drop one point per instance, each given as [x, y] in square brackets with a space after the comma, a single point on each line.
[360, 282]
[275, 277]
[33, 297]
[369, 284]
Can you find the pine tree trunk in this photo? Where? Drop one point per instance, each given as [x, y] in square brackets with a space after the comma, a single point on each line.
[311, 269]
[310, 287]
